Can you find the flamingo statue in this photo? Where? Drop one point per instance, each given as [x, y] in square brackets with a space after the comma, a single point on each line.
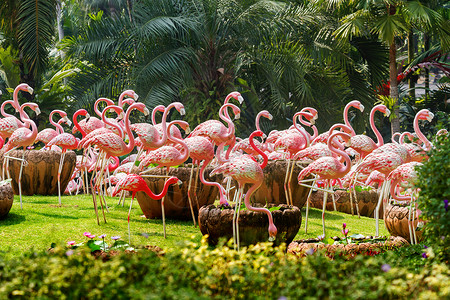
[22, 137]
[48, 134]
[135, 183]
[245, 169]
[328, 168]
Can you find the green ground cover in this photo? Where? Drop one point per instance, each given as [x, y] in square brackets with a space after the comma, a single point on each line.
[42, 222]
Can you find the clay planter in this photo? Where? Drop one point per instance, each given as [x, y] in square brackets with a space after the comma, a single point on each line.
[365, 246]
[176, 203]
[6, 199]
[396, 221]
[40, 173]
[272, 189]
[217, 222]
[367, 202]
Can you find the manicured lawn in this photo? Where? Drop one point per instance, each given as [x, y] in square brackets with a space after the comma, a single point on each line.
[42, 222]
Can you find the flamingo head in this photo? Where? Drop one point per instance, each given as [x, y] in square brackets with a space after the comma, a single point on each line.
[180, 107]
[66, 120]
[236, 112]
[425, 114]
[128, 101]
[312, 111]
[114, 108]
[266, 114]
[129, 93]
[25, 87]
[33, 107]
[356, 104]
[235, 95]
[272, 232]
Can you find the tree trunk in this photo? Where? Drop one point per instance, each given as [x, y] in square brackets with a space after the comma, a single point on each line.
[426, 41]
[412, 92]
[59, 25]
[395, 123]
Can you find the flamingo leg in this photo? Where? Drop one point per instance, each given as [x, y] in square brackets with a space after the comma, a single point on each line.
[103, 181]
[286, 180]
[377, 209]
[307, 207]
[334, 202]
[189, 194]
[61, 162]
[94, 199]
[20, 178]
[289, 182]
[325, 196]
[129, 213]
[414, 218]
[162, 210]
[87, 180]
[239, 201]
[410, 225]
[236, 209]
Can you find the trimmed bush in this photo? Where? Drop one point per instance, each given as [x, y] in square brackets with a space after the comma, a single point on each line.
[197, 271]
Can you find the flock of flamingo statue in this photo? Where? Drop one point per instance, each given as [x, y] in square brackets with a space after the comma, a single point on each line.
[327, 156]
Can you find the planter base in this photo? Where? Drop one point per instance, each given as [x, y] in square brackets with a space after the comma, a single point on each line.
[396, 221]
[217, 222]
[6, 199]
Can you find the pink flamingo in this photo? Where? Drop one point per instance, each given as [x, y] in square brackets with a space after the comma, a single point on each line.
[405, 173]
[246, 170]
[292, 141]
[10, 123]
[112, 145]
[67, 142]
[135, 183]
[364, 144]
[323, 138]
[168, 156]
[93, 123]
[48, 134]
[22, 137]
[328, 168]
[244, 144]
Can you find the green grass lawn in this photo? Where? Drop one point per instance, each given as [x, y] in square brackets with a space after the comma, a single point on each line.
[42, 222]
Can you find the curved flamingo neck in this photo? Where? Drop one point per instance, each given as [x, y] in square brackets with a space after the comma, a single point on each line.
[223, 115]
[263, 113]
[344, 168]
[28, 122]
[185, 152]
[346, 121]
[212, 183]
[161, 108]
[301, 130]
[129, 93]
[380, 141]
[97, 102]
[405, 134]
[313, 127]
[105, 120]
[219, 152]
[260, 152]
[5, 114]
[129, 147]
[115, 164]
[20, 87]
[164, 126]
[58, 126]
[420, 135]
[82, 112]
[394, 194]
[159, 196]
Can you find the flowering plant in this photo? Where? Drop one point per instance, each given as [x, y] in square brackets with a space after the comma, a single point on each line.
[101, 245]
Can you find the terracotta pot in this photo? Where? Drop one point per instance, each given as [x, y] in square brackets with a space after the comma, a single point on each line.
[396, 221]
[364, 246]
[272, 189]
[367, 202]
[6, 199]
[176, 203]
[217, 222]
[40, 173]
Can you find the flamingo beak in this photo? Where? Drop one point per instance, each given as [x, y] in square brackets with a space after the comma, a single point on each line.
[387, 113]
[316, 116]
[88, 116]
[182, 111]
[312, 121]
[240, 99]
[187, 130]
[37, 111]
[361, 107]
[121, 115]
[136, 96]
[179, 182]
[430, 117]
[270, 117]
[68, 122]
[237, 116]
[30, 90]
[146, 111]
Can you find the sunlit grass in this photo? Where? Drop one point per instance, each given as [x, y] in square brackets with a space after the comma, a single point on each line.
[42, 222]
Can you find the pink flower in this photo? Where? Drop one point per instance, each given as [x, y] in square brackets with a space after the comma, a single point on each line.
[89, 235]
[344, 232]
[102, 236]
[71, 243]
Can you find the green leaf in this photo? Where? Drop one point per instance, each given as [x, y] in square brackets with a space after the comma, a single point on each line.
[329, 241]
[357, 236]
[274, 208]
[93, 246]
[119, 244]
[358, 188]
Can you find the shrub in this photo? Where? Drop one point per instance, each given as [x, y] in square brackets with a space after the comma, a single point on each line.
[196, 271]
[434, 182]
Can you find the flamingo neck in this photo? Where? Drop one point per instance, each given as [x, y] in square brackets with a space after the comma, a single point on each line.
[393, 191]
[344, 168]
[5, 114]
[420, 135]
[82, 112]
[97, 102]
[129, 147]
[251, 190]
[380, 141]
[20, 87]
[301, 130]
[212, 183]
[159, 196]
[219, 152]
[114, 125]
[185, 152]
[160, 142]
[223, 115]
[252, 143]
[28, 122]
[154, 111]
[346, 121]
[258, 117]
[114, 165]
[58, 126]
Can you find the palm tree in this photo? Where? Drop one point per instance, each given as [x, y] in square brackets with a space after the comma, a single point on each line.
[389, 20]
